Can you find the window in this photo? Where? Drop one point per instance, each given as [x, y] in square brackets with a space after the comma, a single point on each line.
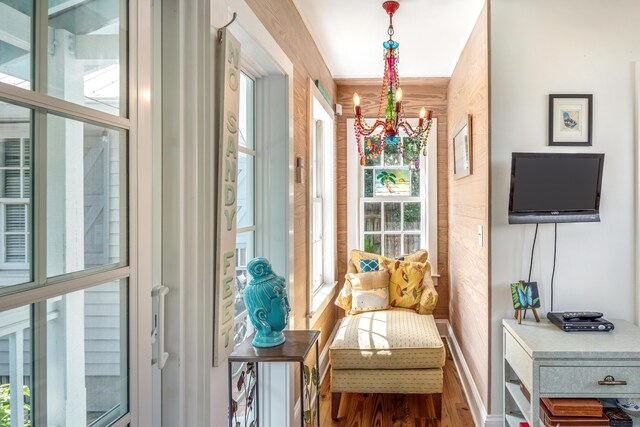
[392, 203]
[14, 205]
[246, 215]
[394, 198]
[64, 217]
[322, 207]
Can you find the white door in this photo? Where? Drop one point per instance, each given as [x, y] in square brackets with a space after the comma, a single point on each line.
[72, 261]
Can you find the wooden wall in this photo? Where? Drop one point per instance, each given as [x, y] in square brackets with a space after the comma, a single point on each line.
[282, 20]
[469, 208]
[430, 93]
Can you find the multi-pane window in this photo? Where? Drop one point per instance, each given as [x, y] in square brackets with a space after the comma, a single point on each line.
[321, 200]
[14, 205]
[64, 219]
[245, 221]
[393, 201]
[317, 202]
[246, 197]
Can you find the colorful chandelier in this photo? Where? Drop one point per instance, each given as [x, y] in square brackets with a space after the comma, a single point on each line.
[385, 131]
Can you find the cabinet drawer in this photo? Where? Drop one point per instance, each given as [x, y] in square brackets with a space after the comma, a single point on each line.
[577, 380]
[519, 360]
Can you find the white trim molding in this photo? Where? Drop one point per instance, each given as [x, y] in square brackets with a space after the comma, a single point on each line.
[637, 191]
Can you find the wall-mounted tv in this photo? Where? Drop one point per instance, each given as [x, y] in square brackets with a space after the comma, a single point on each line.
[555, 187]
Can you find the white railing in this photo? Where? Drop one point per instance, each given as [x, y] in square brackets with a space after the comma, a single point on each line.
[13, 324]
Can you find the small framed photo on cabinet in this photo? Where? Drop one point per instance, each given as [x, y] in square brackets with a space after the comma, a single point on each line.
[570, 120]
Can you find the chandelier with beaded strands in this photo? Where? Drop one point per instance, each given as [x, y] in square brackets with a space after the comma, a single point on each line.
[386, 127]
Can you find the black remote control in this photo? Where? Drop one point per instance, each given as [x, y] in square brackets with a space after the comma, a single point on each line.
[581, 315]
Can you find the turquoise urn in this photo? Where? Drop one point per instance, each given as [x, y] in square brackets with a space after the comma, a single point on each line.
[266, 300]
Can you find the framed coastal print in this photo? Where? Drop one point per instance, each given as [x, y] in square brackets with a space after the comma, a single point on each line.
[570, 120]
[462, 150]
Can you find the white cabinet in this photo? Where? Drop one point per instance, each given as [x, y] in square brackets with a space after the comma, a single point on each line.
[553, 363]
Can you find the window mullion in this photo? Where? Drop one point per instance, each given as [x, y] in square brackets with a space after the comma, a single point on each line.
[39, 264]
[39, 363]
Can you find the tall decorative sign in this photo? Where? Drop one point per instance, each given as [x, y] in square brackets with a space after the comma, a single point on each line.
[228, 70]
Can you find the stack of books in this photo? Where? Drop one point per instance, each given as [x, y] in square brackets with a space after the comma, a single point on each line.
[556, 412]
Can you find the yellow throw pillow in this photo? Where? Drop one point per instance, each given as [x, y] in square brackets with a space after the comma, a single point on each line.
[369, 291]
[418, 256]
[405, 282]
[356, 255]
[429, 298]
[344, 297]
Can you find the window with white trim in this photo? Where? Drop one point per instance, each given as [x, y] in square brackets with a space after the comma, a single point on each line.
[392, 198]
[393, 201]
[246, 196]
[322, 198]
[14, 203]
[65, 222]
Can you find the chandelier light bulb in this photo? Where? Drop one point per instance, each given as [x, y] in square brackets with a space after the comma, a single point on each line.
[356, 99]
[422, 112]
[399, 95]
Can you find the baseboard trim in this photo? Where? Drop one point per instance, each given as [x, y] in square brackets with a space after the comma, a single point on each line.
[494, 420]
[478, 410]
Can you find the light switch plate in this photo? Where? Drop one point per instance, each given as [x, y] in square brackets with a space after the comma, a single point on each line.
[480, 235]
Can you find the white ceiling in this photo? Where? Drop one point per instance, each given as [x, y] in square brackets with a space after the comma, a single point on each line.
[349, 34]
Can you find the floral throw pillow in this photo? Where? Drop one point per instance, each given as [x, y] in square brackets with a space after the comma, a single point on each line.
[405, 282]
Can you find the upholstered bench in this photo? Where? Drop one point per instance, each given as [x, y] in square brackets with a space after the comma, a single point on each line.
[393, 351]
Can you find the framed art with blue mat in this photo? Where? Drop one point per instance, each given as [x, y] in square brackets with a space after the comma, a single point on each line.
[525, 297]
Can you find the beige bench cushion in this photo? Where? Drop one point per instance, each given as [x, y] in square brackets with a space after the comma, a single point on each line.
[389, 339]
[411, 381]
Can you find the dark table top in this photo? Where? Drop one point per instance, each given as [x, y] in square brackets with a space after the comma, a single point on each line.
[296, 348]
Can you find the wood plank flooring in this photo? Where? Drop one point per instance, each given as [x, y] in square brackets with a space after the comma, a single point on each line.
[398, 410]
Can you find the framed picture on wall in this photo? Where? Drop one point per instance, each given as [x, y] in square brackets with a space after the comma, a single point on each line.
[462, 150]
[570, 120]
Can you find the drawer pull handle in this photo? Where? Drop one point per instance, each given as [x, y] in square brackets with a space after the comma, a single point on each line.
[609, 380]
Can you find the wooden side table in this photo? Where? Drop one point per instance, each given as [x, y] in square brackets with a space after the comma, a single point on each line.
[552, 363]
[295, 349]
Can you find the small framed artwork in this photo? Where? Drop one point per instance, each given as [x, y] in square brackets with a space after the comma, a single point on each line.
[570, 120]
[525, 295]
[462, 151]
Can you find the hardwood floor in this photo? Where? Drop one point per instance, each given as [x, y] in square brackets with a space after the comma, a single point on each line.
[398, 410]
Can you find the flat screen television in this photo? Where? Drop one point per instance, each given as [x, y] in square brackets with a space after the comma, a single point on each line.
[555, 187]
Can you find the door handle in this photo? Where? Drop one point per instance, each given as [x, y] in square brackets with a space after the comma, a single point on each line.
[160, 356]
[609, 380]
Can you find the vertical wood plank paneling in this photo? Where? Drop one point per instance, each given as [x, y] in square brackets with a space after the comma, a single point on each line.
[430, 93]
[469, 207]
[282, 20]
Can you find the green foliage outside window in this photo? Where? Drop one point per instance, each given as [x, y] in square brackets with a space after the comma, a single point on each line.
[5, 406]
[412, 215]
[371, 244]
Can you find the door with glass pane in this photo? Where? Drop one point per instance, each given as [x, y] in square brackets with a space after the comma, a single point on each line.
[65, 276]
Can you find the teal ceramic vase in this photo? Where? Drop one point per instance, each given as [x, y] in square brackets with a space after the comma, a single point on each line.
[266, 300]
